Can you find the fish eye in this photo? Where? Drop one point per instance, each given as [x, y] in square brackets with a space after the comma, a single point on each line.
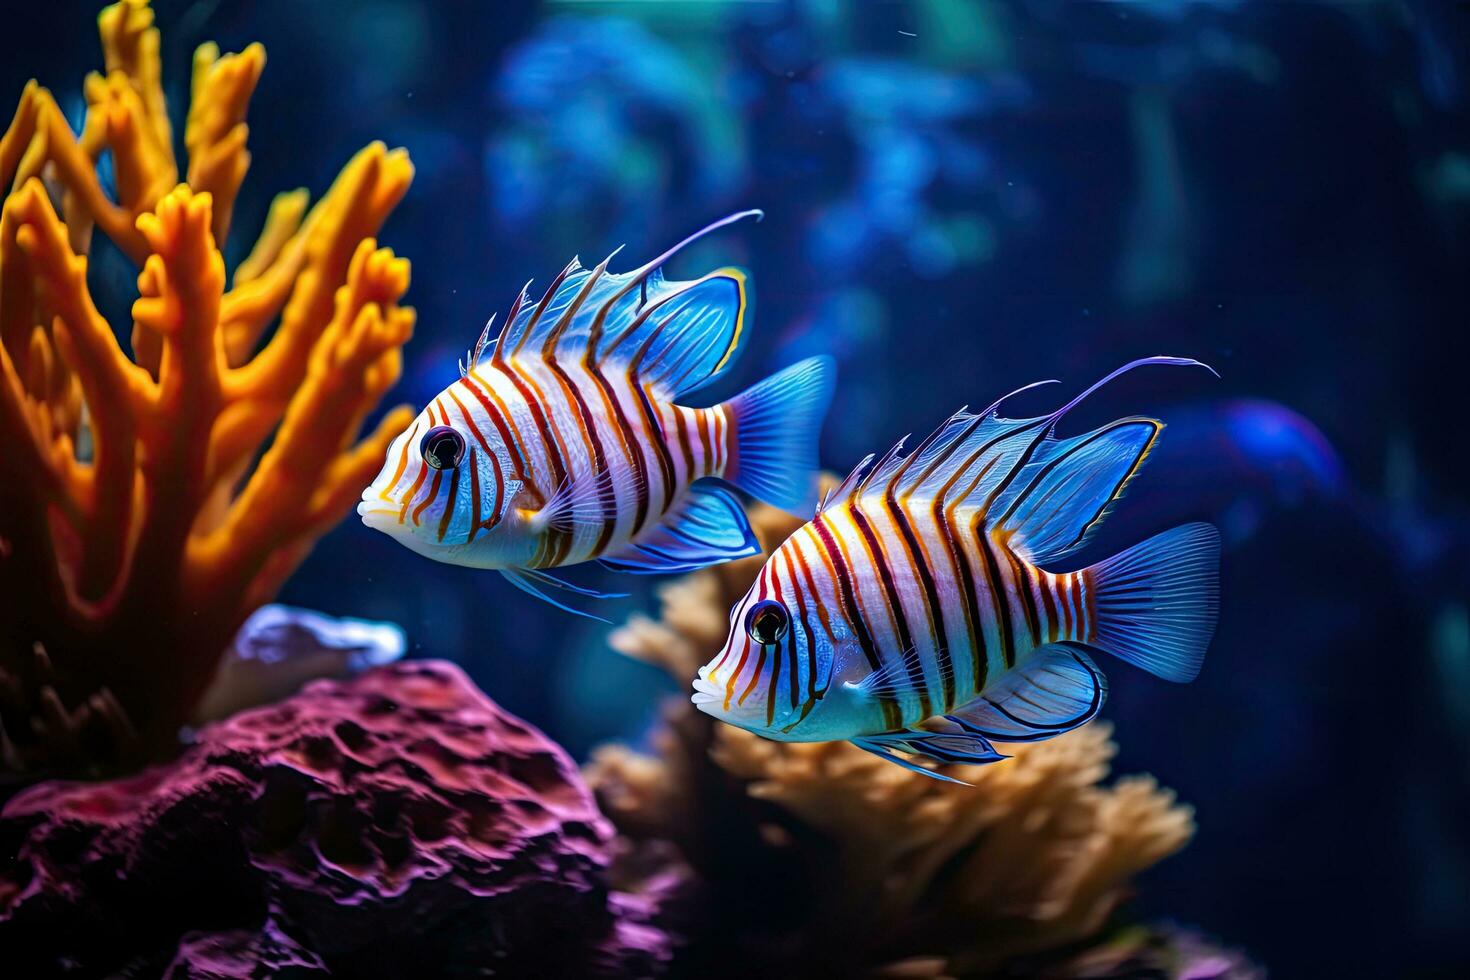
[442, 447]
[767, 622]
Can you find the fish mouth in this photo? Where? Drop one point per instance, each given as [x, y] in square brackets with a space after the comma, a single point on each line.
[705, 693]
[375, 512]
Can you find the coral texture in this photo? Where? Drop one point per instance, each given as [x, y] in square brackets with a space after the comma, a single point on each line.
[1162, 952]
[398, 824]
[137, 528]
[823, 860]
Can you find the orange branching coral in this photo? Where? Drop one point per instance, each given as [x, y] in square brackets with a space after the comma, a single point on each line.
[823, 860]
[137, 527]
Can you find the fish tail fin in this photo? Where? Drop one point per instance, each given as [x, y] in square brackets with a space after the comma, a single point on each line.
[1156, 603]
[776, 423]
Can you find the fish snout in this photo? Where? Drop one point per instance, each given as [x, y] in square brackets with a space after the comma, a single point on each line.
[376, 510]
[706, 692]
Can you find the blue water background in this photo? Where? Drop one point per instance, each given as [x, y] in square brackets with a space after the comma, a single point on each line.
[961, 198]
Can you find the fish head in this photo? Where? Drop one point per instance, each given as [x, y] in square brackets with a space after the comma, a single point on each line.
[775, 667]
[440, 488]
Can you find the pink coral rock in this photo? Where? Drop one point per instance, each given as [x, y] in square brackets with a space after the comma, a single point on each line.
[397, 824]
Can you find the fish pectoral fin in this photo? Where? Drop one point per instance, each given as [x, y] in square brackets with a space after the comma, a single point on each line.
[900, 676]
[706, 527]
[953, 745]
[1056, 689]
[533, 582]
[576, 503]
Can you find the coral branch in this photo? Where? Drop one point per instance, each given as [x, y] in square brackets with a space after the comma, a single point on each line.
[128, 552]
[180, 288]
[86, 342]
[51, 142]
[130, 45]
[355, 360]
[215, 132]
[368, 188]
[264, 279]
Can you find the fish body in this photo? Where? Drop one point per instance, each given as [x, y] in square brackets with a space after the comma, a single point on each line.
[544, 427]
[927, 609]
[563, 440]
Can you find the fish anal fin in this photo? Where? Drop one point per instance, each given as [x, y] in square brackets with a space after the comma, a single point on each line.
[706, 527]
[1056, 689]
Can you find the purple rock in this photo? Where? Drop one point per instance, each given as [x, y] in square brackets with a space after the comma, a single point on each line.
[397, 824]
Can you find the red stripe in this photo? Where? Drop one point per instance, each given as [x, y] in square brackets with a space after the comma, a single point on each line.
[599, 456]
[402, 464]
[433, 492]
[475, 499]
[490, 454]
[408, 497]
[497, 415]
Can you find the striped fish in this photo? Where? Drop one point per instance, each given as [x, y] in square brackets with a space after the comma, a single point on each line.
[563, 440]
[919, 612]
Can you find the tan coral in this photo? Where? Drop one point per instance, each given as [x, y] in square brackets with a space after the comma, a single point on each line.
[871, 869]
[137, 531]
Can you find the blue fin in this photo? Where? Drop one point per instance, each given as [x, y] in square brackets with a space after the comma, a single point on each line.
[1013, 468]
[1068, 487]
[776, 426]
[684, 340]
[870, 743]
[682, 334]
[953, 746]
[898, 677]
[1157, 602]
[707, 527]
[577, 502]
[1058, 688]
[531, 582]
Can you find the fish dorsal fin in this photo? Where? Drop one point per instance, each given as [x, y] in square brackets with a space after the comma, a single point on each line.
[1043, 493]
[685, 339]
[844, 490]
[675, 335]
[482, 344]
[1056, 499]
[1058, 688]
[926, 465]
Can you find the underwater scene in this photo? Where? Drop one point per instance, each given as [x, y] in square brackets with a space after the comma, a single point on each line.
[734, 488]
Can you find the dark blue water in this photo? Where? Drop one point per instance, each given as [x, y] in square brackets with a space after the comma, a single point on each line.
[962, 198]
